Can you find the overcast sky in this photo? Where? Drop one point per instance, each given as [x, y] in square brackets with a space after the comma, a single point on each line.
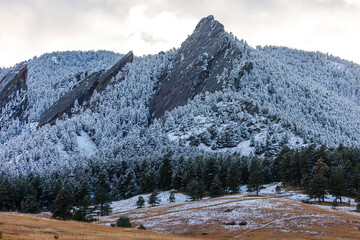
[34, 27]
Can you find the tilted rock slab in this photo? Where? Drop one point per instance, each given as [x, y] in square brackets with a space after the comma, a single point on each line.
[82, 92]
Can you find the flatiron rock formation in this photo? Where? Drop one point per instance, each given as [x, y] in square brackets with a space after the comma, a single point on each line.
[205, 55]
[83, 91]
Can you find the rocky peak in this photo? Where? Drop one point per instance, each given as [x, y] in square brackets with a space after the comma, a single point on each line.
[204, 56]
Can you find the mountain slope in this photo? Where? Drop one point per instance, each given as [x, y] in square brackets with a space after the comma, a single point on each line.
[214, 95]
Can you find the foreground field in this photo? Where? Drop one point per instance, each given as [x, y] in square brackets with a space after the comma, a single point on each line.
[238, 216]
[16, 226]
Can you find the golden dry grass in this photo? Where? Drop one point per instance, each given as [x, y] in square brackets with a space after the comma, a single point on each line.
[290, 220]
[16, 226]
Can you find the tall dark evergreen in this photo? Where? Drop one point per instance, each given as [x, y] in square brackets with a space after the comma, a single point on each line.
[195, 189]
[63, 205]
[102, 199]
[308, 159]
[166, 172]
[30, 205]
[244, 170]
[5, 195]
[337, 185]
[210, 171]
[317, 187]
[147, 180]
[255, 178]
[233, 178]
[216, 189]
[83, 209]
[224, 173]
[179, 177]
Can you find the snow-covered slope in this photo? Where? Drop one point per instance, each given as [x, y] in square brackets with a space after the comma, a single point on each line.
[287, 97]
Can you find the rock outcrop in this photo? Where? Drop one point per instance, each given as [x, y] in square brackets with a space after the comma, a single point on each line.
[83, 91]
[13, 88]
[204, 56]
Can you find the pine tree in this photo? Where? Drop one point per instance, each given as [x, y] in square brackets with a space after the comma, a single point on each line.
[5, 196]
[318, 186]
[255, 178]
[140, 202]
[102, 198]
[337, 184]
[195, 189]
[153, 199]
[321, 167]
[307, 161]
[128, 186]
[224, 173]
[178, 180]
[216, 189]
[147, 181]
[63, 205]
[83, 209]
[233, 178]
[210, 171]
[165, 174]
[244, 170]
[30, 205]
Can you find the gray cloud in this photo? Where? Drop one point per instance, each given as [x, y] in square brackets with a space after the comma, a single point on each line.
[37, 26]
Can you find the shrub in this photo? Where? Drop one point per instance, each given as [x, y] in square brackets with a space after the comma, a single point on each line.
[56, 236]
[358, 206]
[231, 223]
[278, 189]
[0, 234]
[140, 202]
[153, 199]
[141, 227]
[172, 197]
[123, 222]
[242, 223]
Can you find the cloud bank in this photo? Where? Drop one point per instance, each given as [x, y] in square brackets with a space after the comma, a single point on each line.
[30, 28]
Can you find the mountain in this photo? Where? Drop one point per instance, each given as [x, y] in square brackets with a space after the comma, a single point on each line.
[215, 95]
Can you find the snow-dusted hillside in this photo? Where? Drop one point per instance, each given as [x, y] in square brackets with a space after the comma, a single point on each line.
[287, 97]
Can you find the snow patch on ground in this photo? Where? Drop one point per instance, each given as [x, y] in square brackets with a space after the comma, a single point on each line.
[130, 204]
[86, 146]
[283, 212]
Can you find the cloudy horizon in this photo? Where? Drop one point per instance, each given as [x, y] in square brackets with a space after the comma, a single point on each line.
[32, 28]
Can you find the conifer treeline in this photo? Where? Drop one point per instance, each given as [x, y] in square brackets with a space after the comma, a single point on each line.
[102, 182]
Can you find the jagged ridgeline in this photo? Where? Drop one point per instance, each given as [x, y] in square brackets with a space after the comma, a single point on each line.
[213, 95]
